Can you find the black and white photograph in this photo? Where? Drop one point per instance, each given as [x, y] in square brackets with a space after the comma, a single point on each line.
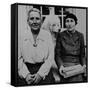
[50, 44]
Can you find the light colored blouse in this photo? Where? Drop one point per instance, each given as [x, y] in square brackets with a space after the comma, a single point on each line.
[43, 52]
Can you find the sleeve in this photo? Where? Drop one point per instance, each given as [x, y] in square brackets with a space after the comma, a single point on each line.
[82, 50]
[58, 48]
[22, 68]
[45, 68]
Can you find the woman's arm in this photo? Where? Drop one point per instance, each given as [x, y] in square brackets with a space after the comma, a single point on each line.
[45, 68]
[22, 68]
[82, 50]
[58, 48]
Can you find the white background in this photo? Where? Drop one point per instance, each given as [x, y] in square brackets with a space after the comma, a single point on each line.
[5, 44]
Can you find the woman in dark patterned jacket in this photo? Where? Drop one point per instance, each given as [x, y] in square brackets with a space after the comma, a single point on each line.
[70, 49]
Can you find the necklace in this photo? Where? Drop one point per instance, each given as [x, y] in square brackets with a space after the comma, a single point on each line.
[35, 44]
[35, 40]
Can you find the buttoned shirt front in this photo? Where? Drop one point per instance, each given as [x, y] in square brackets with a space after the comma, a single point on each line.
[42, 53]
[70, 48]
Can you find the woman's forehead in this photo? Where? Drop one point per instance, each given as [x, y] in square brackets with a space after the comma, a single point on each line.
[70, 18]
[34, 14]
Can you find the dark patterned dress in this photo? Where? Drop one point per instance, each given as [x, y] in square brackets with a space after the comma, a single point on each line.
[69, 51]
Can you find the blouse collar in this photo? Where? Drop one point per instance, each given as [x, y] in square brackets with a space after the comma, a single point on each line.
[29, 35]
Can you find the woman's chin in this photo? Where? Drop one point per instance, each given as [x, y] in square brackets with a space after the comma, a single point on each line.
[70, 29]
[35, 28]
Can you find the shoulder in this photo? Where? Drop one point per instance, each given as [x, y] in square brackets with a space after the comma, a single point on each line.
[45, 33]
[79, 34]
[63, 33]
[26, 34]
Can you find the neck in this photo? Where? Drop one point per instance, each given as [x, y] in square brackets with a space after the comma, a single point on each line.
[35, 32]
[72, 29]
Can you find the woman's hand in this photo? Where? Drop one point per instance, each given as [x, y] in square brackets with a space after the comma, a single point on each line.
[85, 73]
[37, 78]
[30, 78]
[61, 70]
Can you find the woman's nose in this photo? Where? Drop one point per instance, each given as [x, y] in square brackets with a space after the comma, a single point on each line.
[34, 20]
[69, 23]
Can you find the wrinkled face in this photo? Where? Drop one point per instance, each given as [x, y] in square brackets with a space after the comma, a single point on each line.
[34, 20]
[70, 24]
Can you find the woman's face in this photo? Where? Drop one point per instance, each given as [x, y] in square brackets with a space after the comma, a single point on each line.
[34, 20]
[70, 24]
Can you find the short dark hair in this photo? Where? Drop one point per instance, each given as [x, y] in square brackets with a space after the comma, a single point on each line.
[70, 15]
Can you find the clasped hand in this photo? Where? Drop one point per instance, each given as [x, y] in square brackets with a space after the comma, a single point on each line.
[33, 79]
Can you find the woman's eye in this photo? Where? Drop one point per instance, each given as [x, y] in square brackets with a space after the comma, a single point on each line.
[37, 18]
[71, 20]
[31, 18]
[67, 20]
